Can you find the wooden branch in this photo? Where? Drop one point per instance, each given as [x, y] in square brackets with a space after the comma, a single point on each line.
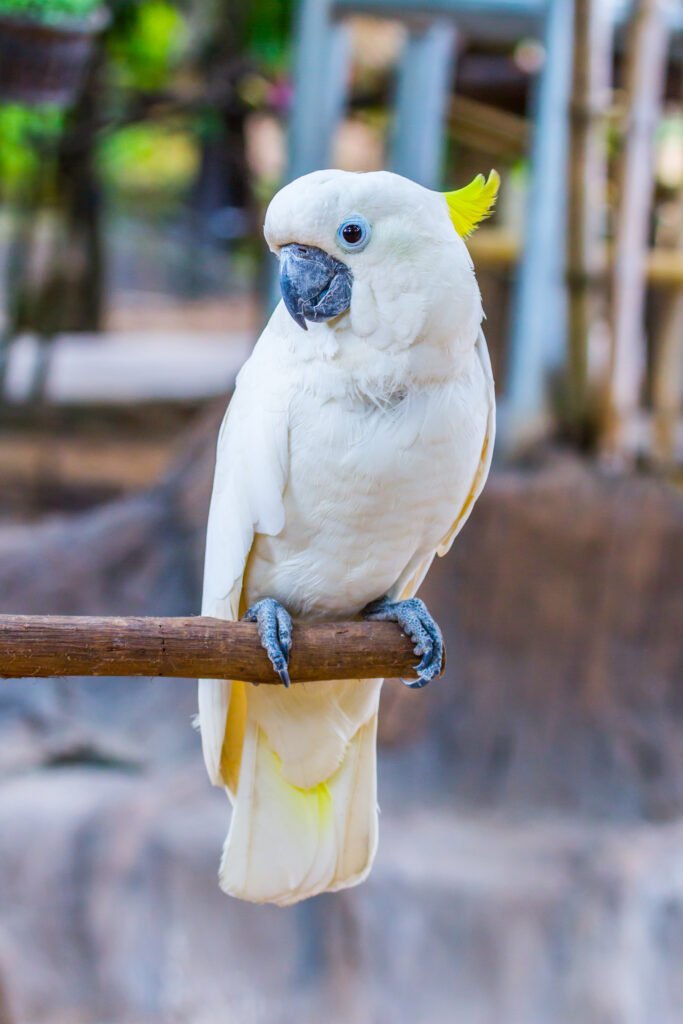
[488, 129]
[35, 646]
[500, 248]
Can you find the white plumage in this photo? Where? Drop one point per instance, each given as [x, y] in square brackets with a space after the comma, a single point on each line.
[350, 454]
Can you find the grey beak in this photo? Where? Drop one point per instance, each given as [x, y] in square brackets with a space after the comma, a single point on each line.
[315, 286]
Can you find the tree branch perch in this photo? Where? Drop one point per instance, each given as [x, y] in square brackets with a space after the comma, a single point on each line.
[33, 646]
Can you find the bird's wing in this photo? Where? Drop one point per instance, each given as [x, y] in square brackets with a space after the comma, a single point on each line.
[299, 764]
[484, 466]
[251, 472]
[409, 582]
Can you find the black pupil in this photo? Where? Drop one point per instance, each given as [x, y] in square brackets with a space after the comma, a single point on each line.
[352, 233]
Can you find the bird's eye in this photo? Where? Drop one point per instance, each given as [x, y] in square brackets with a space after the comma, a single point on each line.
[354, 234]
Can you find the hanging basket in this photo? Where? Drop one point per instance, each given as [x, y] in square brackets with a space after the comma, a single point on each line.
[46, 63]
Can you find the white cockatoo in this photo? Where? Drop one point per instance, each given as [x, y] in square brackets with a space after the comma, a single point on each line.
[358, 438]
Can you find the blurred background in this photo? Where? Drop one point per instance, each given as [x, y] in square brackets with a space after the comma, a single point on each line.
[531, 857]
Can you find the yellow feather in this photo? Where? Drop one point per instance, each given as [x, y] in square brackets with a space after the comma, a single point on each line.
[469, 205]
[233, 741]
[316, 800]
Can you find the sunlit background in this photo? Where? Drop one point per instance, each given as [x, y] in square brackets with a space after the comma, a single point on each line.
[531, 854]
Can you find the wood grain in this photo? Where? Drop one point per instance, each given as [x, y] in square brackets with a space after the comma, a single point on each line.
[33, 646]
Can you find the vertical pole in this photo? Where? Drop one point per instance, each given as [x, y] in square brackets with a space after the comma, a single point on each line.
[320, 69]
[539, 313]
[424, 85]
[645, 73]
[586, 223]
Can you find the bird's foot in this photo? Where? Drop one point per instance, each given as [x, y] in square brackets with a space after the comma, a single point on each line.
[414, 619]
[274, 625]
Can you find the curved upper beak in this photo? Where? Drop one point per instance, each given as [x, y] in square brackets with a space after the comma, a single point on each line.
[315, 286]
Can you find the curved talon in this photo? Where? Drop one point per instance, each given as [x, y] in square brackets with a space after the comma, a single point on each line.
[415, 620]
[274, 624]
[414, 684]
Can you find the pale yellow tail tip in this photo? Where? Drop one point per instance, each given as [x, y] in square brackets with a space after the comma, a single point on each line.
[468, 206]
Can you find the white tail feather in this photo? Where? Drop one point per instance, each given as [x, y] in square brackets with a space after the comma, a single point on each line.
[287, 843]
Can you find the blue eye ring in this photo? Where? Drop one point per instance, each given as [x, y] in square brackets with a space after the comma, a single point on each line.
[353, 234]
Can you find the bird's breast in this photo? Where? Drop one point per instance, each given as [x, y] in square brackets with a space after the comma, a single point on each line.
[369, 490]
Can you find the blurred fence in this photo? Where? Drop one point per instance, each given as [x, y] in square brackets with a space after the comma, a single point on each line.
[592, 330]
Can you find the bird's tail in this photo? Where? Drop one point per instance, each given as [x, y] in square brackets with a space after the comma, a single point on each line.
[304, 788]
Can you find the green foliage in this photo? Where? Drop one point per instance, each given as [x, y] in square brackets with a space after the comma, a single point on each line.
[24, 134]
[145, 44]
[50, 11]
[268, 32]
[148, 159]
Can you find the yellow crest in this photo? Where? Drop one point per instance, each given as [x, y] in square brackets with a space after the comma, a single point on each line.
[469, 205]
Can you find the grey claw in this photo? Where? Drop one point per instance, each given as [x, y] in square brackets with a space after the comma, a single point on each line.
[414, 619]
[274, 625]
[284, 627]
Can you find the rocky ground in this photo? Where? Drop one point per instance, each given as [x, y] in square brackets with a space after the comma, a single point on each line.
[531, 856]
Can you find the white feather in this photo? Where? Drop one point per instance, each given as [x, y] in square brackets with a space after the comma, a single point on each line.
[251, 468]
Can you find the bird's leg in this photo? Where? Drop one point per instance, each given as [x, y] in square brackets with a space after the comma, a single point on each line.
[274, 625]
[414, 619]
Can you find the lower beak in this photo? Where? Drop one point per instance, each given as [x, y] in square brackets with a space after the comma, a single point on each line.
[315, 286]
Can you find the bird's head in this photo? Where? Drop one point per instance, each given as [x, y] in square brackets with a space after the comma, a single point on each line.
[378, 253]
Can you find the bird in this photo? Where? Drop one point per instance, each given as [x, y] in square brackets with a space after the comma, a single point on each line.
[357, 440]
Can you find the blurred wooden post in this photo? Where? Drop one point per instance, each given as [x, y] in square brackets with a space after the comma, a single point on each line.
[539, 315]
[645, 74]
[587, 195]
[667, 369]
[424, 83]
